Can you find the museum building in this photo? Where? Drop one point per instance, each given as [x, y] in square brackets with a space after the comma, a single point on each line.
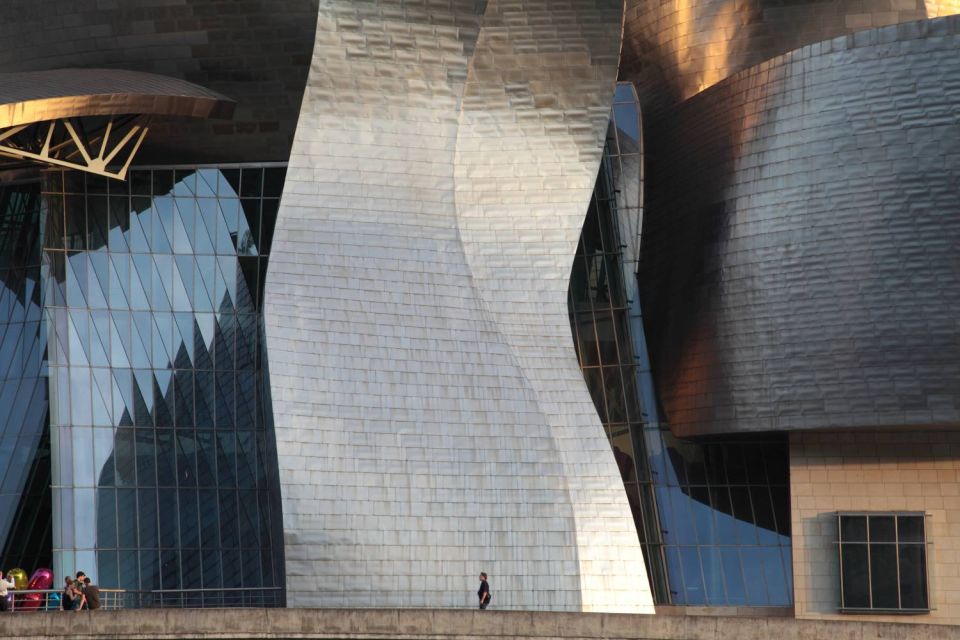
[638, 307]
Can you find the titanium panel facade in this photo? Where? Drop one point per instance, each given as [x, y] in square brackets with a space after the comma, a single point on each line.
[256, 52]
[799, 251]
[431, 419]
[673, 49]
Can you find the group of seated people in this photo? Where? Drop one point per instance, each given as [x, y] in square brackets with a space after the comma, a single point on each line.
[79, 594]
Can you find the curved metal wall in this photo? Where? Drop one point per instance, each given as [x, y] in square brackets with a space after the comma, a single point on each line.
[256, 52]
[534, 119]
[673, 49]
[799, 253]
[431, 420]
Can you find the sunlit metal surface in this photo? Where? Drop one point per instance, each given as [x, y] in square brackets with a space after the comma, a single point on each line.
[38, 96]
[431, 419]
[42, 115]
[799, 268]
[674, 49]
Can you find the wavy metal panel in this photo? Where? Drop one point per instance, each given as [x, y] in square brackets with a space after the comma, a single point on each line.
[430, 416]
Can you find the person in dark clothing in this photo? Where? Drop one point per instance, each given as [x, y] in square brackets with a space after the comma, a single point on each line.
[92, 594]
[66, 599]
[484, 592]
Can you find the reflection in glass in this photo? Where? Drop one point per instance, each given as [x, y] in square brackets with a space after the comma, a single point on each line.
[25, 439]
[153, 294]
[713, 517]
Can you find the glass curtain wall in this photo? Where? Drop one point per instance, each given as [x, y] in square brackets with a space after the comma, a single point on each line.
[712, 517]
[164, 474]
[24, 443]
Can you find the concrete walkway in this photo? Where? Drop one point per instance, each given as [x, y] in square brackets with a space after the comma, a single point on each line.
[427, 624]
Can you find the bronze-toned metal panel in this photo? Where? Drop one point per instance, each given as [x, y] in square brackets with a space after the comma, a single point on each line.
[674, 49]
[257, 52]
[37, 96]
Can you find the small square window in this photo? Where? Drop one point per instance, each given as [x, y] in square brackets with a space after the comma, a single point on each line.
[883, 563]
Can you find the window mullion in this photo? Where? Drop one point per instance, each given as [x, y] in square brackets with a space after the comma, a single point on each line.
[896, 538]
[869, 566]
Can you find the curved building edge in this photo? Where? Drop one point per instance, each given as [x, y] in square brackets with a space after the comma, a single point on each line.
[801, 274]
[420, 438]
[674, 49]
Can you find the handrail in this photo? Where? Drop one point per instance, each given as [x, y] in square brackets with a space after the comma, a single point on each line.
[34, 600]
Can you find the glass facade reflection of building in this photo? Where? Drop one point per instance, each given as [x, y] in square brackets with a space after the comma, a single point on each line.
[24, 440]
[713, 516]
[164, 472]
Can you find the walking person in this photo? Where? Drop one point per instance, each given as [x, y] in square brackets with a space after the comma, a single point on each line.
[484, 592]
[4, 586]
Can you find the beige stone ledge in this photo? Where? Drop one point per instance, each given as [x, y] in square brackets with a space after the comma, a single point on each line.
[427, 624]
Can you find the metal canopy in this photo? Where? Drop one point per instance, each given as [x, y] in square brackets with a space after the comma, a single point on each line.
[91, 119]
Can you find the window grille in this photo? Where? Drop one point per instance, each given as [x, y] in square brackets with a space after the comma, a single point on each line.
[883, 562]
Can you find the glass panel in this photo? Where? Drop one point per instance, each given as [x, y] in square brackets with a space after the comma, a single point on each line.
[252, 183]
[147, 511]
[168, 518]
[773, 573]
[232, 568]
[910, 528]
[107, 570]
[226, 408]
[209, 520]
[191, 563]
[212, 576]
[129, 570]
[149, 569]
[882, 529]
[127, 525]
[107, 518]
[172, 344]
[189, 519]
[226, 460]
[268, 221]
[713, 575]
[186, 459]
[694, 593]
[273, 182]
[170, 569]
[146, 458]
[249, 521]
[125, 457]
[913, 576]
[883, 574]
[856, 583]
[754, 571]
[853, 528]
[733, 575]
[206, 459]
[166, 459]
[229, 521]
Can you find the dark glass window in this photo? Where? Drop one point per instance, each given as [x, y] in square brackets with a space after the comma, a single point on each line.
[882, 562]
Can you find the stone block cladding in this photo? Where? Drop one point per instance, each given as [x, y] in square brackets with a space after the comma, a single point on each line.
[799, 250]
[431, 418]
[874, 471]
